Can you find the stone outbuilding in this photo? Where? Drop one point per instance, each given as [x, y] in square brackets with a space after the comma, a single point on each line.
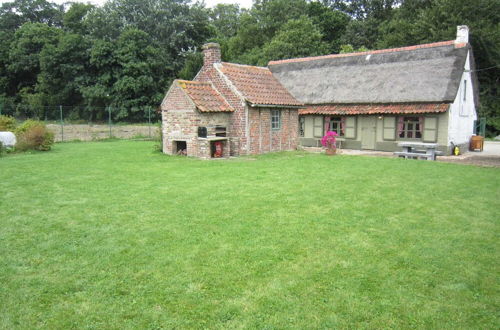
[229, 109]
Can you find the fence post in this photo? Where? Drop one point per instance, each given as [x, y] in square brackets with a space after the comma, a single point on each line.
[62, 123]
[149, 121]
[109, 120]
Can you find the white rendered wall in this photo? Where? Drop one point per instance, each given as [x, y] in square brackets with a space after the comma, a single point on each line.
[462, 113]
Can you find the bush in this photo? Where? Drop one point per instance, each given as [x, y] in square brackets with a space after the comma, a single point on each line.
[2, 149]
[34, 135]
[7, 123]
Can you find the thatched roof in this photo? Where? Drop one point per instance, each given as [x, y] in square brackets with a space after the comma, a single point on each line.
[424, 73]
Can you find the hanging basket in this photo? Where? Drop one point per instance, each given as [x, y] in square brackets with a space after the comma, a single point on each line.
[331, 151]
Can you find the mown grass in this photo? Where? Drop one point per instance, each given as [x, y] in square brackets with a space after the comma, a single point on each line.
[114, 235]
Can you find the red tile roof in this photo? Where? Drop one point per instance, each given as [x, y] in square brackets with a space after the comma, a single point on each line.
[380, 51]
[206, 98]
[258, 85]
[372, 109]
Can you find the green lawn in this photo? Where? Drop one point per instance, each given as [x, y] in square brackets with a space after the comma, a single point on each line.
[114, 235]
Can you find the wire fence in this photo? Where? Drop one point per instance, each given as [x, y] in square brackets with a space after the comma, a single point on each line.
[70, 123]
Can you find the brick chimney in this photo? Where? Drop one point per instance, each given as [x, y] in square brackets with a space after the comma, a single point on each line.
[211, 53]
[462, 34]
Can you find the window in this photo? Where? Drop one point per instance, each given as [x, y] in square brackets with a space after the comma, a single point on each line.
[410, 127]
[302, 126]
[465, 90]
[336, 125]
[275, 119]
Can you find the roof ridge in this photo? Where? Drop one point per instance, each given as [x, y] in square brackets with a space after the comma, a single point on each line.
[370, 52]
[191, 81]
[247, 65]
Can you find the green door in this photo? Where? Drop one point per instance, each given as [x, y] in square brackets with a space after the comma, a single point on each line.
[368, 131]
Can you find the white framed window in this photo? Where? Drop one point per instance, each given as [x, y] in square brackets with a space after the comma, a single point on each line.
[275, 119]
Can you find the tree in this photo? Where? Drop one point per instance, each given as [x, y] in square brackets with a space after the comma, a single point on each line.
[297, 38]
[332, 24]
[24, 56]
[137, 79]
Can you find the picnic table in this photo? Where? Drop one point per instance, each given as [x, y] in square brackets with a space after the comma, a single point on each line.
[418, 150]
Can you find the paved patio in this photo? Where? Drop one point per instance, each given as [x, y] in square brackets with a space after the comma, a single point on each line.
[490, 156]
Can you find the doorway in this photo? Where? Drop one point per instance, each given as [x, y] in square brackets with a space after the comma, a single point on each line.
[368, 132]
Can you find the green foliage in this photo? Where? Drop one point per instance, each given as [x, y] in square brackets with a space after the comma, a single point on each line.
[193, 64]
[7, 123]
[297, 38]
[33, 135]
[350, 49]
[2, 149]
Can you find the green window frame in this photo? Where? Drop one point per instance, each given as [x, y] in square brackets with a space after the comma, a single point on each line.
[275, 119]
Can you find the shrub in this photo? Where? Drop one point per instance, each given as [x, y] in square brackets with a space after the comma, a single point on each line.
[34, 135]
[2, 149]
[7, 123]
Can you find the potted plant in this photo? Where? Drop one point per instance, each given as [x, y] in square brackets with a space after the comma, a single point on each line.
[329, 142]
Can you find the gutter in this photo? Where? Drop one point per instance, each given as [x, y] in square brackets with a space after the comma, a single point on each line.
[253, 105]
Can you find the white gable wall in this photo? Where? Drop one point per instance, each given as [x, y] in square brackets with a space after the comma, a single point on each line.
[462, 111]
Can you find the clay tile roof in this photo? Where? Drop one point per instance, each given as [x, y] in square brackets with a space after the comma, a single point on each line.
[206, 98]
[372, 109]
[258, 85]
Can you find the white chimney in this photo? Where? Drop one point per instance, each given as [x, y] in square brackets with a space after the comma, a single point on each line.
[462, 34]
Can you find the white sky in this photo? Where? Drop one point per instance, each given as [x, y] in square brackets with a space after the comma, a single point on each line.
[209, 3]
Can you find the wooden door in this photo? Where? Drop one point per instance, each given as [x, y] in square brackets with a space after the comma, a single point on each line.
[368, 132]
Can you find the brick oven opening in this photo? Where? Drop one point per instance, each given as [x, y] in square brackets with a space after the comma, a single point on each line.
[217, 149]
[180, 148]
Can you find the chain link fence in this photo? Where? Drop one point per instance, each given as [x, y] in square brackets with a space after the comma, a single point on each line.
[70, 123]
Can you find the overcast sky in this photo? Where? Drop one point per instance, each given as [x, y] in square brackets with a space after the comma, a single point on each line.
[210, 3]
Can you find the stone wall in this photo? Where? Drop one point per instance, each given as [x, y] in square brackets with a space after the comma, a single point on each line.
[181, 120]
[265, 139]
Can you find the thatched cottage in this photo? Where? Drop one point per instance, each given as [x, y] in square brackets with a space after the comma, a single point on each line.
[373, 100]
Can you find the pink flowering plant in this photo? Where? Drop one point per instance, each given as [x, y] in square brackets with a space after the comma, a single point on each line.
[328, 141]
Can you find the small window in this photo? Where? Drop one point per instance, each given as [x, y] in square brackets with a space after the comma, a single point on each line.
[410, 127]
[336, 125]
[302, 126]
[275, 119]
[465, 90]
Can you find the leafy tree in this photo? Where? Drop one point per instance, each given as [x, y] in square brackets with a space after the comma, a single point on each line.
[297, 38]
[74, 18]
[24, 55]
[332, 24]
[16, 13]
[225, 18]
[137, 79]
[63, 70]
